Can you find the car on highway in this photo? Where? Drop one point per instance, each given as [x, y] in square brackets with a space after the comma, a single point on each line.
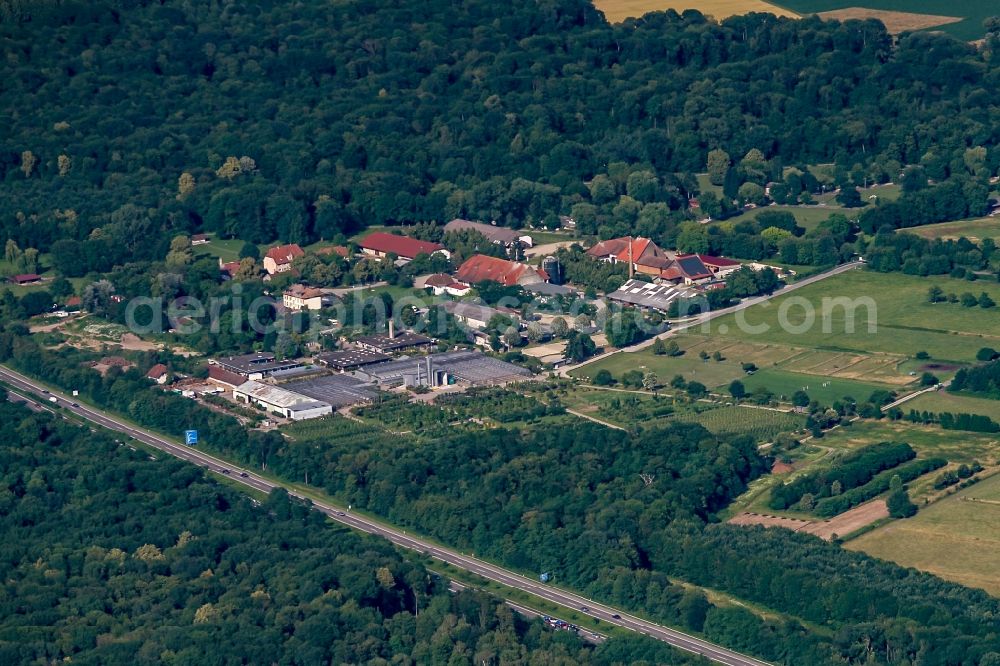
[75, 404]
[584, 609]
[617, 616]
[225, 471]
[244, 474]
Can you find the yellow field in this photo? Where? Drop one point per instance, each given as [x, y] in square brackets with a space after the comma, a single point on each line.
[956, 538]
[619, 10]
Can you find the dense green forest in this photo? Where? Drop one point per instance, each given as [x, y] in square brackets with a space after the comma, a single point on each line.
[111, 558]
[612, 514]
[127, 123]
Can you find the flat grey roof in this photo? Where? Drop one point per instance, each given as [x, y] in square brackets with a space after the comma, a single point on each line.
[336, 390]
[473, 367]
[350, 358]
[279, 396]
[259, 362]
[649, 295]
[402, 340]
[549, 289]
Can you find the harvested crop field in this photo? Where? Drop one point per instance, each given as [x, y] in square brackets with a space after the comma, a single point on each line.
[842, 525]
[895, 22]
[849, 521]
[619, 10]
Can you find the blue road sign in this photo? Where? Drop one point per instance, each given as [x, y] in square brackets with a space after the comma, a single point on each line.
[190, 437]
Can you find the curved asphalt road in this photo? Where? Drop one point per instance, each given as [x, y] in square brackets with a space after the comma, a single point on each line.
[704, 318]
[605, 613]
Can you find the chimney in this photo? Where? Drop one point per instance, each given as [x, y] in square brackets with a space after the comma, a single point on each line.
[392, 329]
[430, 375]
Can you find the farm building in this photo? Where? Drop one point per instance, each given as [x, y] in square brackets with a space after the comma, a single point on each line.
[279, 259]
[228, 269]
[381, 244]
[350, 359]
[26, 278]
[480, 268]
[280, 401]
[158, 373]
[686, 269]
[441, 283]
[641, 254]
[200, 239]
[650, 295]
[473, 314]
[720, 266]
[471, 368]
[494, 234]
[253, 366]
[547, 289]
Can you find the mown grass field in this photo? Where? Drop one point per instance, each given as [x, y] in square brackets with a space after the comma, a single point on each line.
[904, 321]
[928, 441]
[824, 389]
[226, 250]
[807, 217]
[943, 401]
[973, 12]
[619, 10]
[977, 229]
[955, 539]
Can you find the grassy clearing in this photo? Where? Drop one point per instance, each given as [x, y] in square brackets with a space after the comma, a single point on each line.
[830, 375]
[709, 372]
[943, 401]
[977, 229]
[808, 217]
[955, 538]
[928, 441]
[224, 249]
[901, 321]
[973, 12]
[826, 390]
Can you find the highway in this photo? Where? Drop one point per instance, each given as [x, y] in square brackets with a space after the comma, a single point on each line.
[603, 612]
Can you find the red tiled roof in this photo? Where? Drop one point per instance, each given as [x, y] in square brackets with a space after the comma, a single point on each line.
[339, 250]
[230, 267]
[157, 371]
[718, 262]
[672, 273]
[73, 301]
[25, 277]
[401, 246]
[285, 254]
[644, 251]
[438, 280]
[225, 376]
[480, 267]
